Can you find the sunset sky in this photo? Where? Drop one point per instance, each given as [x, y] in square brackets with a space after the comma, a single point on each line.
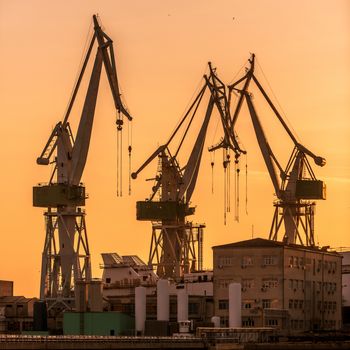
[162, 49]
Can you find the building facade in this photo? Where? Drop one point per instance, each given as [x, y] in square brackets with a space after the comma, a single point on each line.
[289, 287]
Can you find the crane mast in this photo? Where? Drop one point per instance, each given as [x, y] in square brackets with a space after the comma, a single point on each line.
[66, 254]
[176, 244]
[296, 185]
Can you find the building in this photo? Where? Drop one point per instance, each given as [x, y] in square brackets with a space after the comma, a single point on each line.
[289, 287]
[18, 313]
[346, 288]
[122, 274]
[6, 288]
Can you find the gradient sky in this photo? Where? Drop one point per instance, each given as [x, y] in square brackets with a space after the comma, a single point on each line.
[162, 48]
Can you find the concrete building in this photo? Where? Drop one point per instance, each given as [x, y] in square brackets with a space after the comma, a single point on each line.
[346, 288]
[290, 287]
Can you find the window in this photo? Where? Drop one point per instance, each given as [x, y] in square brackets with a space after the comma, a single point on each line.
[247, 283]
[271, 322]
[269, 260]
[247, 261]
[224, 283]
[224, 321]
[193, 308]
[269, 283]
[290, 284]
[266, 303]
[223, 304]
[108, 280]
[225, 261]
[247, 322]
[246, 304]
[319, 265]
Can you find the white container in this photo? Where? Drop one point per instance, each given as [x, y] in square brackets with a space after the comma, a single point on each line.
[140, 309]
[216, 321]
[182, 305]
[163, 300]
[235, 305]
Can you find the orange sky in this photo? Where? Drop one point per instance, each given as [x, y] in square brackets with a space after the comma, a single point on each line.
[162, 48]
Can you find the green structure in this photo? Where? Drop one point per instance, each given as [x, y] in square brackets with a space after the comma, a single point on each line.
[97, 323]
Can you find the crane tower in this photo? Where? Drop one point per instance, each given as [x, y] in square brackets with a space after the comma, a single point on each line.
[176, 244]
[296, 186]
[66, 253]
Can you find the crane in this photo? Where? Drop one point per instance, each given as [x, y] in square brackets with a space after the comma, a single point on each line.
[296, 185]
[66, 254]
[173, 245]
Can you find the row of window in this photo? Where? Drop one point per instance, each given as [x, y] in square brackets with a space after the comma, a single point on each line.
[296, 304]
[272, 260]
[327, 286]
[246, 261]
[327, 305]
[266, 283]
[297, 324]
[295, 284]
[271, 322]
[223, 304]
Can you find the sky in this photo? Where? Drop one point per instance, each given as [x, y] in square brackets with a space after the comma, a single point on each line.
[162, 49]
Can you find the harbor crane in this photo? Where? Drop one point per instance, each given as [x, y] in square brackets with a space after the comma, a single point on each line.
[295, 186]
[66, 255]
[176, 244]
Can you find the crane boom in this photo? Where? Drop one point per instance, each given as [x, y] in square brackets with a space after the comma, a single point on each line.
[264, 145]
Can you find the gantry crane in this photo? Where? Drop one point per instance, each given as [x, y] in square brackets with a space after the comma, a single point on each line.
[176, 244]
[296, 185]
[66, 255]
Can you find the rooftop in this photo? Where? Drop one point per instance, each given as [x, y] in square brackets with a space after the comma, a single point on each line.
[267, 243]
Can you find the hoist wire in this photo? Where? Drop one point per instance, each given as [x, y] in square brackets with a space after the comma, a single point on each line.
[237, 194]
[246, 184]
[117, 163]
[129, 151]
[225, 189]
[228, 174]
[121, 163]
[224, 196]
[212, 163]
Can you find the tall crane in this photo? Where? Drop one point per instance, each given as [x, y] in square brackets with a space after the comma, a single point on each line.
[66, 254]
[176, 244]
[296, 185]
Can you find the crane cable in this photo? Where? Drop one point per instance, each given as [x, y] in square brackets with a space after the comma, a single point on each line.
[129, 151]
[228, 174]
[237, 171]
[246, 184]
[119, 123]
[212, 163]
